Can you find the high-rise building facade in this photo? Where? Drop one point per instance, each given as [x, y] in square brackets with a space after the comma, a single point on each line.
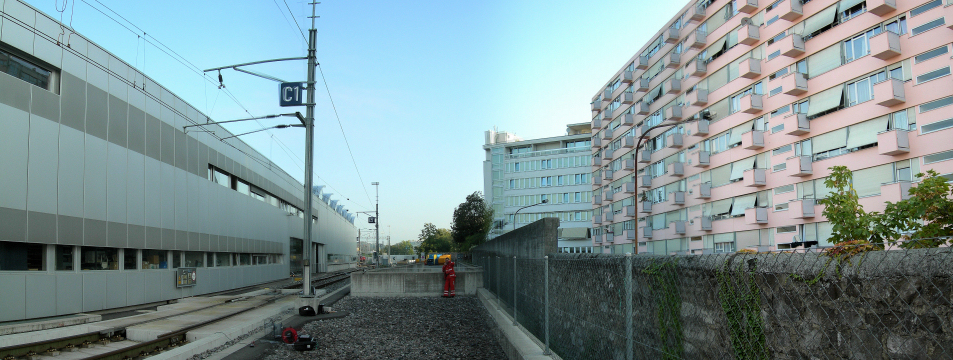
[718, 134]
[519, 175]
[105, 196]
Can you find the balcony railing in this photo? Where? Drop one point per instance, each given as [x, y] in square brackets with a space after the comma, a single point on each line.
[549, 152]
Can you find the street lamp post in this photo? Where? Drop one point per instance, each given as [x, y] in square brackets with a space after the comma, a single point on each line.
[518, 211]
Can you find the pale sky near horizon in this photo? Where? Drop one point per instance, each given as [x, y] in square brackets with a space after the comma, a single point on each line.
[415, 83]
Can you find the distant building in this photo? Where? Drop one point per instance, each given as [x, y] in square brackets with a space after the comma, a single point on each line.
[519, 173]
[763, 98]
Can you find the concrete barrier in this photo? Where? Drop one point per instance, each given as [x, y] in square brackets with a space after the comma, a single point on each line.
[412, 281]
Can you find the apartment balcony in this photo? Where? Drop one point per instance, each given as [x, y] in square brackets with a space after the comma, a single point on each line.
[627, 98]
[676, 169]
[608, 237]
[752, 140]
[754, 178]
[628, 165]
[881, 7]
[890, 92]
[597, 105]
[627, 77]
[630, 234]
[793, 84]
[630, 211]
[630, 187]
[671, 35]
[628, 142]
[701, 159]
[756, 216]
[792, 45]
[672, 61]
[699, 127]
[596, 142]
[699, 97]
[597, 161]
[796, 124]
[597, 220]
[641, 85]
[674, 86]
[609, 216]
[645, 157]
[597, 200]
[702, 191]
[697, 39]
[642, 63]
[698, 69]
[596, 180]
[751, 104]
[749, 34]
[607, 116]
[642, 108]
[893, 142]
[673, 113]
[898, 190]
[647, 232]
[607, 154]
[750, 68]
[800, 166]
[645, 181]
[885, 45]
[646, 207]
[802, 209]
[675, 141]
[596, 124]
[747, 6]
[703, 223]
[679, 227]
[607, 197]
[696, 14]
[676, 198]
[789, 10]
[607, 134]
[607, 174]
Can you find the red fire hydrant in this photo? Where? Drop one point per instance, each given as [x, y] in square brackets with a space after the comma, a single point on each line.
[450, 277]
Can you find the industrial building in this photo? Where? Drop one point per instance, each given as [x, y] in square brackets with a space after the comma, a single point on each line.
[757, 99]
[527, 180]
[104, 196]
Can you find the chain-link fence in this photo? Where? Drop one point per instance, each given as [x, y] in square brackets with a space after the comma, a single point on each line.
[848, 302]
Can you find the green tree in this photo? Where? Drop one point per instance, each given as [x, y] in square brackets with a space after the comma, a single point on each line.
[434, 240]
[471, 222]
[927, 214]
[401, 248]
[842, 208]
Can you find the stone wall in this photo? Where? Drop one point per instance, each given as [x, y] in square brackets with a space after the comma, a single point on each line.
[874, 305]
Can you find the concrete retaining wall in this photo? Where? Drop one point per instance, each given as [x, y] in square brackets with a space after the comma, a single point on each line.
[413, 282]
[533, 241]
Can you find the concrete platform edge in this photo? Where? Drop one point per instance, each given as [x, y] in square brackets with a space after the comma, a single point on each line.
[238, 336]
[518, 344]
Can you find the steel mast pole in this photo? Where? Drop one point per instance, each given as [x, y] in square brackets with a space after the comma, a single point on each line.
[309, 156]
[377, 222]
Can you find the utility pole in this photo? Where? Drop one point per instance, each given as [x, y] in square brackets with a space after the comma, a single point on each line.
[309, 153]
[377, 223]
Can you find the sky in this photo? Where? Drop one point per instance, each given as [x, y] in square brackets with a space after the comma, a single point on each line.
[411, 86]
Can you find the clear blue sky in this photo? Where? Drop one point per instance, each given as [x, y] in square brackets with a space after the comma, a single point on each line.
[415, 83]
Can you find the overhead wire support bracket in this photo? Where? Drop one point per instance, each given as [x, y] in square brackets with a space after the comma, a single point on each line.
[247, 119]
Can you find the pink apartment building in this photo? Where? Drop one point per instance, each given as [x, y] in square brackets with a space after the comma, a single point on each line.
[756, 100]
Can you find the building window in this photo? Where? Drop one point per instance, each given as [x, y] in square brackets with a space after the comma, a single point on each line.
[725, 247]
[221, 259]
[938, 73]
[936, 126]
[928, 26]
[923, 8]
[219, 177]
[98, 258]
[64, 258]
[154, 259]
[15, 256]
[130, 259]
[25, 70]
[194, 259]
[930, 54]
[936, 104]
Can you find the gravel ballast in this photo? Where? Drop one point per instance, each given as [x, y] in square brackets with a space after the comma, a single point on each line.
[402, 328]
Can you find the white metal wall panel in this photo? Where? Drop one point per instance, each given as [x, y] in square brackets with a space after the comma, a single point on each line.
[116, 173]
[13, 157]
[135, 189]
[153, 193]
[42, 164]
[94, 204]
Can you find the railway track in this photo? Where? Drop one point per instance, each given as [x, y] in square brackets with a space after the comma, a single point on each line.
[162, 342]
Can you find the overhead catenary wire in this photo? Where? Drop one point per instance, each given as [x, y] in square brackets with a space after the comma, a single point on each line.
[189, 65]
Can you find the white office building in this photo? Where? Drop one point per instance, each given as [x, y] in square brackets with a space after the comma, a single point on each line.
[527, 180]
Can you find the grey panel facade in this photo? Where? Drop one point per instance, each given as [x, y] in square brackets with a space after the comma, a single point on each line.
[102, 161]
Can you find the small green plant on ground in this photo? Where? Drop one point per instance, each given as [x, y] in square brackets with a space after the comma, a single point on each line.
[669, 302]
[741, 300]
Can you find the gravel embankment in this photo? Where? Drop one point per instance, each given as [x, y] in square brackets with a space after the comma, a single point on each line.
[402, 328]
